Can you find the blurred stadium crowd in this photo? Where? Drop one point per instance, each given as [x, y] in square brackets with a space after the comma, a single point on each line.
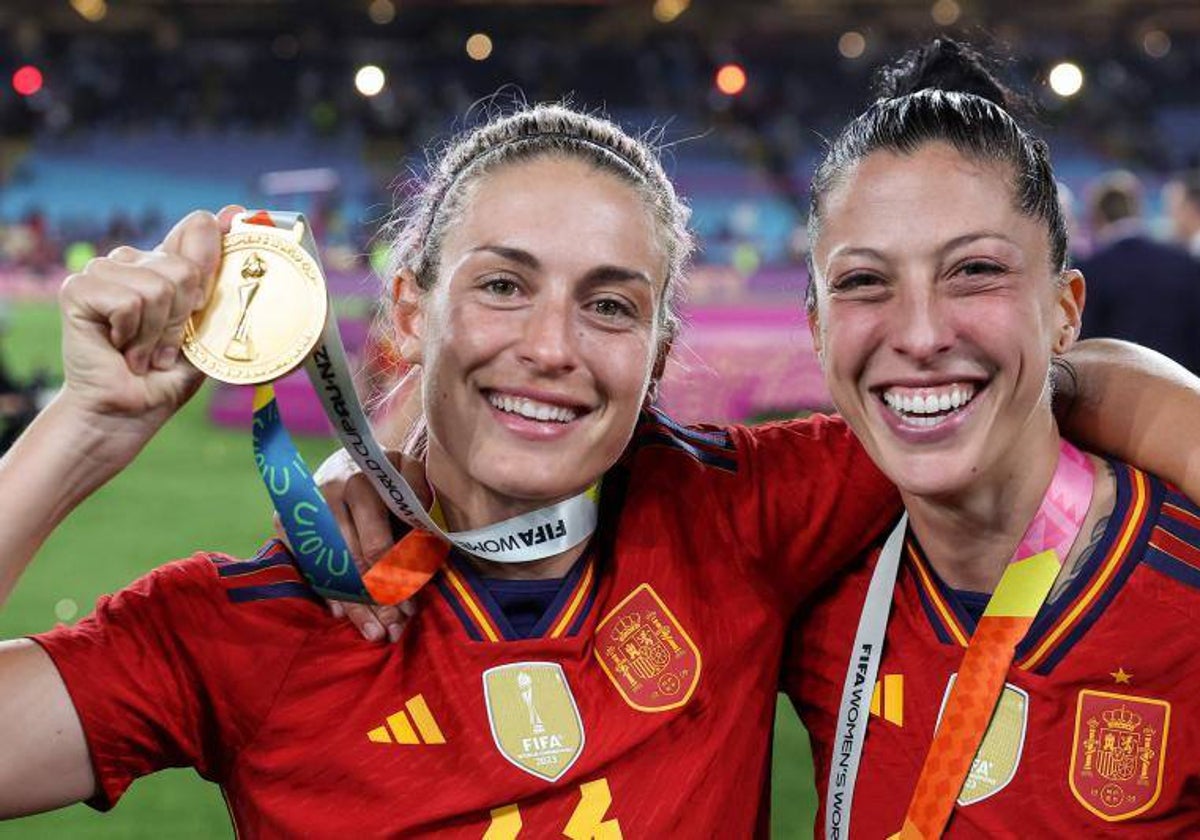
[115, 118]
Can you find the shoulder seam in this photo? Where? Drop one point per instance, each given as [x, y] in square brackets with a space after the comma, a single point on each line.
[287, 672]
[236, 754]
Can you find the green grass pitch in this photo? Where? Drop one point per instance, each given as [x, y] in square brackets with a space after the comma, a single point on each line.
[194, 487]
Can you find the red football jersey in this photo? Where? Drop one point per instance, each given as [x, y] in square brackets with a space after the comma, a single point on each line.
[1091, 736]
[642, 707]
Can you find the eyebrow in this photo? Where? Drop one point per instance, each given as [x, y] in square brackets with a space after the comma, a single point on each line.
[599, 274]
[516, 255]
[968, 238]
[956, 242]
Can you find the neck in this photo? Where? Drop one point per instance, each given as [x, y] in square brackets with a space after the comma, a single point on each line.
[546, 568]
[470, 505]
[969, 537]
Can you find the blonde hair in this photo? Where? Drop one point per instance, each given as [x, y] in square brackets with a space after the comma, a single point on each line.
[417, 229]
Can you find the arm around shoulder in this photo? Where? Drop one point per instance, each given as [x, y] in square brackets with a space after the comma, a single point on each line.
[1136, 404]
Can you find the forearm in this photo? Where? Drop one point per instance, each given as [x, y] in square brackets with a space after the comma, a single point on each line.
[1138, 405]
[123, 318]
[62, 458]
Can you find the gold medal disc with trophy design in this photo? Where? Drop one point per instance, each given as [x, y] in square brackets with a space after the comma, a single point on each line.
[266, 313]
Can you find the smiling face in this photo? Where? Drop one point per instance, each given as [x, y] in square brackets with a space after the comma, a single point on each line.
[937, 315]
[538, 340]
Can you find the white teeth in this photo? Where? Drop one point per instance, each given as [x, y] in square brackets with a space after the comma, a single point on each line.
[531, 409]
[922, 422]
[916, 409]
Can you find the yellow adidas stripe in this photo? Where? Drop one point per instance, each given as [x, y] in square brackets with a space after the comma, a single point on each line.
[424, 720]
[402, 729]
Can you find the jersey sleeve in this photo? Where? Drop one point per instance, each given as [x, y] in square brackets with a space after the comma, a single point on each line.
[169, 673]
[813, 502]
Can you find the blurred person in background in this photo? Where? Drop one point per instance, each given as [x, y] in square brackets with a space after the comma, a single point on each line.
[1076, 232]
[1139, 289]
[1181, 197]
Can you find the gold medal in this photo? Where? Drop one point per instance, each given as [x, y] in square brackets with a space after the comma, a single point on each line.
[266, 313]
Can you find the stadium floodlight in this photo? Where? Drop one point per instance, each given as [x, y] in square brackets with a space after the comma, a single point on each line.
[27, 80]
[90, 10]
[731, 79]
[1066, 79]
[479, 46]
[369, 80]
[945, 12]
[1156, 43]
[381, 12]
[666, 11]
[852, 44]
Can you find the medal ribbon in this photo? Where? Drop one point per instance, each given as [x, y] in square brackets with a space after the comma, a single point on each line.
[317, 544]
[1009, 614]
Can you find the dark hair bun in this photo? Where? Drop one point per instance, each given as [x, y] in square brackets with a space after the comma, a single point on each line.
[946, 64]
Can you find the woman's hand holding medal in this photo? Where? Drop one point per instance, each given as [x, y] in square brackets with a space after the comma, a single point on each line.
[123, 322]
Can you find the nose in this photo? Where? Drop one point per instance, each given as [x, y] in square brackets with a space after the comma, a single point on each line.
[548, 340]
[921, 327]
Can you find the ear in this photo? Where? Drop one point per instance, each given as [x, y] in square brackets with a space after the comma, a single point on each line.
[660, 366]
[408, 316]
[814, 329]
[660, 360]
[1072, 293]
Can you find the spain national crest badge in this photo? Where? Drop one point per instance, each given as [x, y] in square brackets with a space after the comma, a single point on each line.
[535, 722]
[647, 654]
[1118, 753]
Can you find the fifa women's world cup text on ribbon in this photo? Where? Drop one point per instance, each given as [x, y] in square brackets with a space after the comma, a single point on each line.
[268, 314]
[1010, 612]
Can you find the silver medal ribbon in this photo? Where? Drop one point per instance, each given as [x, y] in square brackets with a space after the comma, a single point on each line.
[861, 673]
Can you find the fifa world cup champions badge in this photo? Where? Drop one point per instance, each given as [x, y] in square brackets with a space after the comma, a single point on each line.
[534, 718]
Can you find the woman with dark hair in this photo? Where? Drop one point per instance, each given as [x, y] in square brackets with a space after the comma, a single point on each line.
[1016, 658]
